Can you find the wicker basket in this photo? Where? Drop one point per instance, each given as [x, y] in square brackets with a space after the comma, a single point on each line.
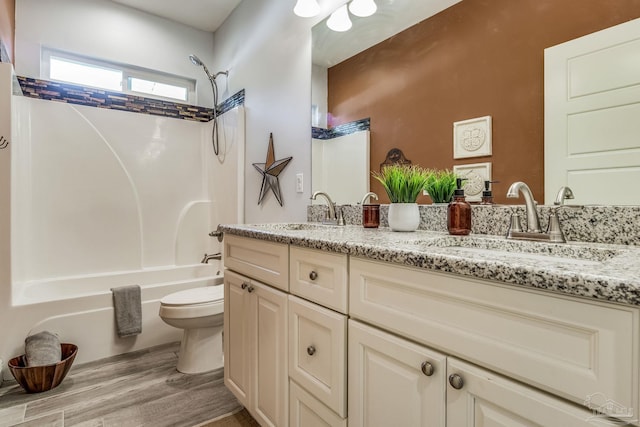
[36, 379]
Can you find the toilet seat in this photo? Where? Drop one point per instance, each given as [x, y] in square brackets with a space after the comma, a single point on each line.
[202, 295]
[193, 303]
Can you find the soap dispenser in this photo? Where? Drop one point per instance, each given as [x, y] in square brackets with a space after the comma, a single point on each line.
[459, 212]
[487, 195]
[370, 213]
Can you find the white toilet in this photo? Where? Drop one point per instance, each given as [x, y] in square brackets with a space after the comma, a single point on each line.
[199, 312]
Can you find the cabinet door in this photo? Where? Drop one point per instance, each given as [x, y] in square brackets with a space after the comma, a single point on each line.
[482, 398]
[317, 352]
[271, 382]
[393, 382]
[238, 318]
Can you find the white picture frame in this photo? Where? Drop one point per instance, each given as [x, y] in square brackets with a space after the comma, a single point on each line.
[476, 174]
[472, 138]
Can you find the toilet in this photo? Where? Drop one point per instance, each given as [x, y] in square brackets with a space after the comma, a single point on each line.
[199, 312]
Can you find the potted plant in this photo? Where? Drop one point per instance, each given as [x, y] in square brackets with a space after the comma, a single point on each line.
[403, 184]
[441, 185]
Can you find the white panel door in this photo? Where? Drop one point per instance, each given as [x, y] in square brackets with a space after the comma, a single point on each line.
[271, 387]
[482, 398]
[592, 106]
[238, 318]
[393, 382]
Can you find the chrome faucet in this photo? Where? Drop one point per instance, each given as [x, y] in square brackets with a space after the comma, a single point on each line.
[366, 196]
[563, 193]
[331, 216]
[533, 232]
[533, 223]
[207, 257]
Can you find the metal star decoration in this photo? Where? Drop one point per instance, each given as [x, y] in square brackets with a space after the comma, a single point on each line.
[270, 170]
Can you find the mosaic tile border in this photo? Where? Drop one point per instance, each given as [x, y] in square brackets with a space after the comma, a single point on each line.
[341, 130]
[235, 100]
[92, 97]
[4, 55]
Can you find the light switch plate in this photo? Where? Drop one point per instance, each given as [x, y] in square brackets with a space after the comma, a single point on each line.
[299, 183]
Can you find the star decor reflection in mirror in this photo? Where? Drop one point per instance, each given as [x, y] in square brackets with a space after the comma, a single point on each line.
[270, 170]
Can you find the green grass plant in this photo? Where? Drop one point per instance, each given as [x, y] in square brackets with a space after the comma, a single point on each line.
[403, 183]
[441, 185]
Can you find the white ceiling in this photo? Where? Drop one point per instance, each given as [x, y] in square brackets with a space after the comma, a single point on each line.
[205, 15]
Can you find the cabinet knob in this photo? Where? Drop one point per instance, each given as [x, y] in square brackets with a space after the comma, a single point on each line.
[244, 285]
[427, 368]
[456, 381]
[250, 289]
[311, 350]
[313, 275]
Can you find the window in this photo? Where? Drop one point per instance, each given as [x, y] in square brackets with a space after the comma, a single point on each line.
[66, 67]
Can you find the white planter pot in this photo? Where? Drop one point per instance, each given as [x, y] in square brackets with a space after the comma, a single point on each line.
[404, 216]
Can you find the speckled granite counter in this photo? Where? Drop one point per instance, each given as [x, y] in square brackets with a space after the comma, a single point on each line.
[590, 270]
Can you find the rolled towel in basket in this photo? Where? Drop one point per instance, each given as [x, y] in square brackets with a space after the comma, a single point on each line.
[42, 348]
[128, 310]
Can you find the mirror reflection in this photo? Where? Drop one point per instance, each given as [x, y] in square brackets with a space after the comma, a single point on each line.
[471, 60]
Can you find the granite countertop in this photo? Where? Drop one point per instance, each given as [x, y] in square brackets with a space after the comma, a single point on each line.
[591, 270]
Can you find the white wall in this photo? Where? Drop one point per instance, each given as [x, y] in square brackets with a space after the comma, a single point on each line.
[108, 30]
[268, 52]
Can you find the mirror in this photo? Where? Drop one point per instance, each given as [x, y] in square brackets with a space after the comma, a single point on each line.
[330, 48]
[471, 60]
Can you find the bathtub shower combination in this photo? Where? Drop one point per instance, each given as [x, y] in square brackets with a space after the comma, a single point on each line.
[101, 199]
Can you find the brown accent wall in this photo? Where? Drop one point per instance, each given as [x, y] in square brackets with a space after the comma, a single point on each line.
[8, 25]
[477, 58]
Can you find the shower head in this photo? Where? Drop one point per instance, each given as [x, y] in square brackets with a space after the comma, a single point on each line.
[195, 60]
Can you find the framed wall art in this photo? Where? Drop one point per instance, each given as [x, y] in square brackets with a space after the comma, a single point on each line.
[472, 138]
[476, 174]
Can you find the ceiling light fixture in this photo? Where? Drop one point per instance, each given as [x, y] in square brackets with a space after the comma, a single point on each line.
[363, 8]
[306, 8]
[339, 20]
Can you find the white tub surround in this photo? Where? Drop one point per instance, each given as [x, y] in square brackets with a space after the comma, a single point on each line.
[99, 199]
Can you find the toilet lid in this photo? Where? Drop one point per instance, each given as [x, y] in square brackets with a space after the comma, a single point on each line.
[205, 294]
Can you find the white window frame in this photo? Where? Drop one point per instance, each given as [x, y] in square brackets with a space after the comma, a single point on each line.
[128, 71]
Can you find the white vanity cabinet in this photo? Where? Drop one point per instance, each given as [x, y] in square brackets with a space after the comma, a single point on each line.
[395, 382]
[256, 335]
[574, 349]
[349, 340]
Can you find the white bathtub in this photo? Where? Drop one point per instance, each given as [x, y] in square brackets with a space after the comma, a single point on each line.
[155, 283]
[80, 308]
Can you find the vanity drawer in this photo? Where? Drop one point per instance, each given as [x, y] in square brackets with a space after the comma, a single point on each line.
[571, 347]
[320, 277]
[317, 352]
[305, 410]
[258, 259]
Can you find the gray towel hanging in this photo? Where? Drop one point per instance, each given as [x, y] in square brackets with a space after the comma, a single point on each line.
[127, 304]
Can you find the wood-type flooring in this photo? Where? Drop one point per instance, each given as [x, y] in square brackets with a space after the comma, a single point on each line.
[141, 388]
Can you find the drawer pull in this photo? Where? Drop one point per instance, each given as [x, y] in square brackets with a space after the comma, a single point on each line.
[456, 381]
[250, 289]
[244, 285]
[313, 275]
[427, 368]
[311, 350]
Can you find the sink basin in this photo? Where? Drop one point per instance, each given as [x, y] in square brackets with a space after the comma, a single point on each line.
[295, 226]
[538, 252]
